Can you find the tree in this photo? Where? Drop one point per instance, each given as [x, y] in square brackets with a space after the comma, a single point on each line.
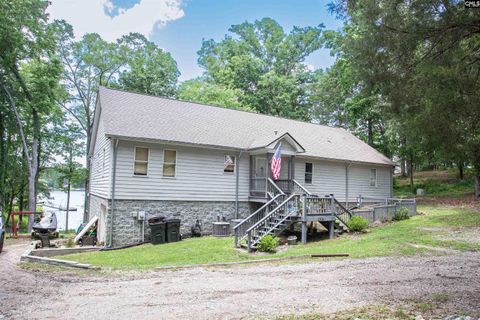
[148, 69]
[265, 65]
[28, 76]
[70, 145]
[132, 63]
[203, 91]
[340, 97]
[424, 57]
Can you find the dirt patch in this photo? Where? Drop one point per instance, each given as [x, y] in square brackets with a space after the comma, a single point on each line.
[235, 292]
[467, 201]
[436, 249]
[471, 235]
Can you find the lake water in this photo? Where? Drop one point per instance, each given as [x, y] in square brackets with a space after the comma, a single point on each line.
[75, 218]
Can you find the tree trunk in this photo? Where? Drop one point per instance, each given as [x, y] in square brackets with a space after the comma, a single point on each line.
[403, 167]
[370, 131]
[70, 172]
[460, 170]
[68, 205]
[31, 160]
[477, 187]
[410, 171]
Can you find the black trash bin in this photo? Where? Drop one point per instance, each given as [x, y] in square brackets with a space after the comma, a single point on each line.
[157, 229]
[173, 229]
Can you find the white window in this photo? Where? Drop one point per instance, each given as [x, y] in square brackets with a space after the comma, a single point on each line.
[169, 163]
[229, 163]
[308, 172]
[373, 177]
[140, 167]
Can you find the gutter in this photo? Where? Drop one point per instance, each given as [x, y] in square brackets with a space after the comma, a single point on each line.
[112, 209]
[237, 176]
[347, 167]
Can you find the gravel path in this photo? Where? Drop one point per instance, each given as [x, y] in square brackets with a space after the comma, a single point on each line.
[236, 292]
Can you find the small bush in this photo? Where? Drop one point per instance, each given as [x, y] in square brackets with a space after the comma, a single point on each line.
[401, 214]
[268, 244]
[70, 243]
[357, 224]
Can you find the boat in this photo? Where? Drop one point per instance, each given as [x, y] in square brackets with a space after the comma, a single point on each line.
[46, 225]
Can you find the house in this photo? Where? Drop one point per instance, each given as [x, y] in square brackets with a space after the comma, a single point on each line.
[175, 158]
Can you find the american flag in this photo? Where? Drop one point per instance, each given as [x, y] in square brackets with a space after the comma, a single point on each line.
[277, 162]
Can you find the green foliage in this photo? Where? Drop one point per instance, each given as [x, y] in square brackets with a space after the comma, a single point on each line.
[202, 91]
[268, 243]
[419, 56]
[70, 243]
[147, 68]
[264, 65]
[401, 214]
[435, 186]
[357, 224]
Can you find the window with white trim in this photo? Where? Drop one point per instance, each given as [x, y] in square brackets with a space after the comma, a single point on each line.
[373, 177]
[308, 172]
[140, 167]
[169, 163]
[229, 163]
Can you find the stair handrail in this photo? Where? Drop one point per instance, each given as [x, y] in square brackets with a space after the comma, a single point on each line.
[265, 218]
[345, 211]
[280, 191]
[271, 212]
[280, 221]
[298, 184]
[247, 219]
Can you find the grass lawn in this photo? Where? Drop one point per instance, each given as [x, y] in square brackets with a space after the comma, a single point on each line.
[438, 227]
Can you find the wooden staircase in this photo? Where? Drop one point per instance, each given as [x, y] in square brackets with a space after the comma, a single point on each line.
[281, 210]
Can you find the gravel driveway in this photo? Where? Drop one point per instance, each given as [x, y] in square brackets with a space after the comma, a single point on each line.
[237, 292]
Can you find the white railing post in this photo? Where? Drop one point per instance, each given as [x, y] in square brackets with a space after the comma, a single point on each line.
[304, 220]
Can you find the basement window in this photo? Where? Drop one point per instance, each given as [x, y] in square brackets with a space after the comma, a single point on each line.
[229, 163]
[169, 163]
[140, 167]
[308, 172]
[373, 177]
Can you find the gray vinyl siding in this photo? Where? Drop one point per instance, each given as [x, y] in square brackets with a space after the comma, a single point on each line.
[100, 169]
[330, 177]
[199, 175]
[359, 181]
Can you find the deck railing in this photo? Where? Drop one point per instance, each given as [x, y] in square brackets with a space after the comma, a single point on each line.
[258, 186]
[362, 200]
[318, 205]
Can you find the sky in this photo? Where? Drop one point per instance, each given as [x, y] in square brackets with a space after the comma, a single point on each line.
[179, 26]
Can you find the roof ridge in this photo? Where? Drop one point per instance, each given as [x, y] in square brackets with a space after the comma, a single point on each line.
[219, 107]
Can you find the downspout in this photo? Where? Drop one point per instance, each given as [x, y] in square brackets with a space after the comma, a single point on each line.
[112, 209]
[237, 176]
[346, 184]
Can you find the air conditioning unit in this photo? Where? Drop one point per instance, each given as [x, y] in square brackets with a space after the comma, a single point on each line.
[221, 229]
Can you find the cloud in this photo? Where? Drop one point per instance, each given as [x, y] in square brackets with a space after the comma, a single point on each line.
[87, 16]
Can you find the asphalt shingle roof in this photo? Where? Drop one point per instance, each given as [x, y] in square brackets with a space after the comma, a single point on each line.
[142, 116]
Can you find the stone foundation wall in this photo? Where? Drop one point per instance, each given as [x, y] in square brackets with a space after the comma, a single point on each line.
[127, 230]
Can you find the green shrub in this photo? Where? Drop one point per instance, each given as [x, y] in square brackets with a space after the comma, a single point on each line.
[268, 243]
[70, 243]
[401, 214]
[357, 224]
